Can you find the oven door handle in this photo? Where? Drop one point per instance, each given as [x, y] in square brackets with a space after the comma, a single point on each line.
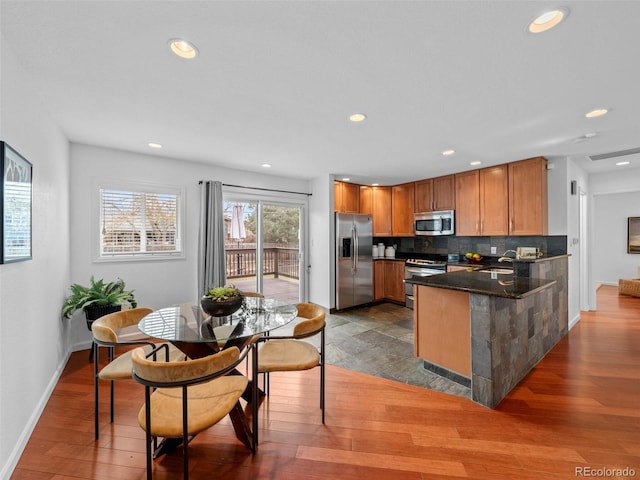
[410, 271]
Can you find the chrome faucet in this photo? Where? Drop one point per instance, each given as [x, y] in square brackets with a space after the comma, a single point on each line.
[504, 257]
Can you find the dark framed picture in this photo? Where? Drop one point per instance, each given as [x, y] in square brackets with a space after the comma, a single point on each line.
[16, 191]
[633, 235]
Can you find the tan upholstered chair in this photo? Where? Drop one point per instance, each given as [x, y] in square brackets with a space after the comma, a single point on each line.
[105, 334]
[189, 396]
[290, 353]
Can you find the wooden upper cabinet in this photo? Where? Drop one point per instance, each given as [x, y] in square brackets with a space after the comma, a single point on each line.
[444, 193]
[467, 203]
[528, 213]
[376, 201]
[494, 200]
[424, 196]
[402, 199]
[346, 197]
[435, 194]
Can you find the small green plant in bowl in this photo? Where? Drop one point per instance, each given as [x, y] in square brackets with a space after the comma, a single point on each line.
[222, 301]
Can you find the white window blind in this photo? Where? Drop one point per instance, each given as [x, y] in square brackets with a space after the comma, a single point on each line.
[139, 223]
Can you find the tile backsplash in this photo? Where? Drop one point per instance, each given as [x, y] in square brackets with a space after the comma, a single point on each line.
[443, 245]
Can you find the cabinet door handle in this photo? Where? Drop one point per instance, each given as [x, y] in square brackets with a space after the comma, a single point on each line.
[510, 225]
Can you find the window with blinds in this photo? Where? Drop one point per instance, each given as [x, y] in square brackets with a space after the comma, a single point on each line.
[139, 223]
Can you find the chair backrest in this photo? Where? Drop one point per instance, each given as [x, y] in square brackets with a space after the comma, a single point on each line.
[161, 373]
[315, 320]
[104, 328]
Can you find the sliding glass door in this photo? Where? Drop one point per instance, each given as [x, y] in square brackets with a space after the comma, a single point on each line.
[264, 246]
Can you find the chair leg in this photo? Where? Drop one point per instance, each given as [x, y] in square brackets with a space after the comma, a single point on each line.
[111, 354]
[322, 374]
[322, 390]
[254, 396]
[94, 348]
[185, 434]
[147, 413]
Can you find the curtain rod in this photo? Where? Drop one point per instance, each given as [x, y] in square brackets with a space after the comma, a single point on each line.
[263, 189]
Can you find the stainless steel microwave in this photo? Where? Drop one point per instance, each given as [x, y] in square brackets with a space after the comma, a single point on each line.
[434, 223]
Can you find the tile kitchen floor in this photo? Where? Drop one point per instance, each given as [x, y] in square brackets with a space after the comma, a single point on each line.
[378, 340]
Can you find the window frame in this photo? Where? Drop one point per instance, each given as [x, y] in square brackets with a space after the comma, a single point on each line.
[137, 187]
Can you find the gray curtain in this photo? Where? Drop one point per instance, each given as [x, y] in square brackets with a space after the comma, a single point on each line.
[211, 256]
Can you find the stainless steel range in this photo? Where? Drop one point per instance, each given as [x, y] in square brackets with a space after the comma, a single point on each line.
[419, 267]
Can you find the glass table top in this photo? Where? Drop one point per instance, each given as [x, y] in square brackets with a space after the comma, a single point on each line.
[187, 322]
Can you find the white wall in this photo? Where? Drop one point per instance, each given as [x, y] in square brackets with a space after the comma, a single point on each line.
[557, 195]
[320, 213]
[614, 197]
[33, 339]
[574, 239]
[156, 283]
[564, 220]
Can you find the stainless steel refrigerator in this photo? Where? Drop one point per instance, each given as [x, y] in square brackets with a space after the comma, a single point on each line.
[354, 263]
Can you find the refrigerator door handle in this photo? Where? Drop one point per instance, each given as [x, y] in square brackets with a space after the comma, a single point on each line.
[356, 247]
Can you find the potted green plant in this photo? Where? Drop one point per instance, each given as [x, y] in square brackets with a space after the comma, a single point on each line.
[222, 301]
[97, 299]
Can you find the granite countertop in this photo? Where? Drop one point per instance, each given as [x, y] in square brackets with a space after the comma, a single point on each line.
[475, 281]
[390, 258]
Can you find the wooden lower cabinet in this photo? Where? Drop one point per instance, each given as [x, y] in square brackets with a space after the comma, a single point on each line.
[442, 328]
[378, 279]
[388, 284]
[393, 280]
[456, 268]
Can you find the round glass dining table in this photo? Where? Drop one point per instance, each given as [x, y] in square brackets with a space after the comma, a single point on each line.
[189, 328]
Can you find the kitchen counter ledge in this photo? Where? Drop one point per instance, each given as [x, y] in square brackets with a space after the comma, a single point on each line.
[476, 281]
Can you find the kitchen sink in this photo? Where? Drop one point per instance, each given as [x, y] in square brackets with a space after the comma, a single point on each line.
[499, 271]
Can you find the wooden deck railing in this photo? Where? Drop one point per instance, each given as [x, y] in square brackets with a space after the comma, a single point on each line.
[241, 262]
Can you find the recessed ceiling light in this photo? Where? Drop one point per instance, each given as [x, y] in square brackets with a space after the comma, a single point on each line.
[357, 117]
[266, 165]
[598, 112]
[622, 163]
[154, 145]
[375, 184]
[346, 179]
[585, 137]
[448, 152]
[548, 20]
[475, 163]
[183, 48]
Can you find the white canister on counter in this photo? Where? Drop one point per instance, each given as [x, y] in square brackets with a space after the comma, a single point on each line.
[390, 252]
[374, 251]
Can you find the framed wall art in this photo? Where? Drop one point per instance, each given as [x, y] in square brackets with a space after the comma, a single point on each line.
[16, 191]
[633, 235]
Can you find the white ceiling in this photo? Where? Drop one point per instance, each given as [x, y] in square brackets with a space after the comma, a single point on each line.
[275, 82]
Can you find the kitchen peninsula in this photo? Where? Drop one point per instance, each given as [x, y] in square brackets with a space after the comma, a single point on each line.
[488, 330]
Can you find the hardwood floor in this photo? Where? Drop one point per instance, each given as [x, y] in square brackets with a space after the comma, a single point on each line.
[579, 408]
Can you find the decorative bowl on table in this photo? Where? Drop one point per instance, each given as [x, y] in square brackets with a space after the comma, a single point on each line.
[221, 308]
[222, 301]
